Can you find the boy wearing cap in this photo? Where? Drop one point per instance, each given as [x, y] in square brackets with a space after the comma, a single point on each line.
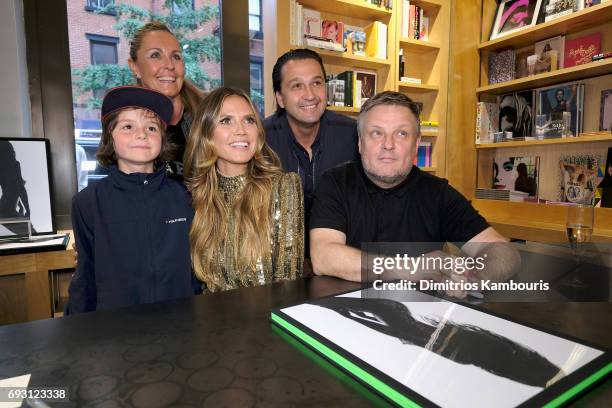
[132, 227]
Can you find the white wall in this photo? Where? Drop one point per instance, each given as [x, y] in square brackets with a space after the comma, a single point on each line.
[14, 96]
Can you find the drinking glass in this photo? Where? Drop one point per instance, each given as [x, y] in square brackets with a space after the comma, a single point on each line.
[579, 227]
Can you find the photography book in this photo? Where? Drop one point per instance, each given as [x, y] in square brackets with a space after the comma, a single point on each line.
[578, 178]
[581, 50]
[403, 344]
[562, 105]
[517, 174]
[552, 44]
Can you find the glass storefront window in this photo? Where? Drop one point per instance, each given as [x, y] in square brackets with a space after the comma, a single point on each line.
[99, 35]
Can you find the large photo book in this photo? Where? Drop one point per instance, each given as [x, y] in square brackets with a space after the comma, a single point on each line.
[419, 350]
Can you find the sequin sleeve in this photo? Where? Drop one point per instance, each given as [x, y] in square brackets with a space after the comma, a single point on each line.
[288, 237]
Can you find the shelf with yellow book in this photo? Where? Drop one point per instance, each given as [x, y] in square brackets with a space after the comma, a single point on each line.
[348, 59]
[425, 58]
[354, 8]
[355, 15]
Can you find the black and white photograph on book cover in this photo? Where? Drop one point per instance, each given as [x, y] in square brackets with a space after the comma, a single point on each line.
[553, 101]
[514, 15]
[25, 191]
[516, 114]
[452, 355]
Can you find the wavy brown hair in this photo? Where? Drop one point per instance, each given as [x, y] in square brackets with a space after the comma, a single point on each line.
[190, 94]
[251, 210]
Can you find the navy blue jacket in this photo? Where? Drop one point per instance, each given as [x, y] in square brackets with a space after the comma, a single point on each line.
[337, 137]
[132, 236]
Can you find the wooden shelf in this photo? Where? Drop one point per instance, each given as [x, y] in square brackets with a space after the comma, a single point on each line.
[356, 61]
[418, 46]
[569, 24]
[538, 222]
[343, 109]
[426, 4]
[592, 69]
[429, 133]
[428, 169]
[355, 8]
[417, 88]
[582, 138]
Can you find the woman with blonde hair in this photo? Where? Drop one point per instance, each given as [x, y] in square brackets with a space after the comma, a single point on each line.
[248, 227]
[156, 60]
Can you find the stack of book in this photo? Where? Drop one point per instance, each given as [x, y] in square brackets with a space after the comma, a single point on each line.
[306, 28]
[502, 195]
[415, 23]
[351, 88]
[429, 126]
[487, 121]
[423, 157]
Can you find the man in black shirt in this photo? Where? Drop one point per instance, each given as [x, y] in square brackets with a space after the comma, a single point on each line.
[384, 198]
[307, 137]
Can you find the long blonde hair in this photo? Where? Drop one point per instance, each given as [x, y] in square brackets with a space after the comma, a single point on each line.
[190, 94]
[251, 209]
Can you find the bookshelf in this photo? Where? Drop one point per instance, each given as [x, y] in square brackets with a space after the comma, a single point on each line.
[570, 24]
[470, 165]
[351, 12]
[427, 60]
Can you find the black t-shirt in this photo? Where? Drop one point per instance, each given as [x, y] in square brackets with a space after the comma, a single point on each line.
[423, 208]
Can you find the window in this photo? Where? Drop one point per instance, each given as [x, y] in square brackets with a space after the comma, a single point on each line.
[254, 15]
[94, 5]
[256, 74]
[179, 6]
[257, 83]
[103, 49]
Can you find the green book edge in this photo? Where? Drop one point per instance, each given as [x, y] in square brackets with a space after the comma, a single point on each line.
[399, 398]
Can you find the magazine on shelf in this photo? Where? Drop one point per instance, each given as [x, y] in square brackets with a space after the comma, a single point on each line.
[559, 106]
[517, 173]
[516, 114]
[578, 178]
[552, 44]
[581, 50]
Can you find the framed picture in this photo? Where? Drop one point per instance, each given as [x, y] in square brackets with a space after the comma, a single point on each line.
[605, 115]
[368, 84]
[25, 186]
[514, 15]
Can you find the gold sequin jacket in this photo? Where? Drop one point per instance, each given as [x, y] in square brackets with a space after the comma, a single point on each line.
[286, 258]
